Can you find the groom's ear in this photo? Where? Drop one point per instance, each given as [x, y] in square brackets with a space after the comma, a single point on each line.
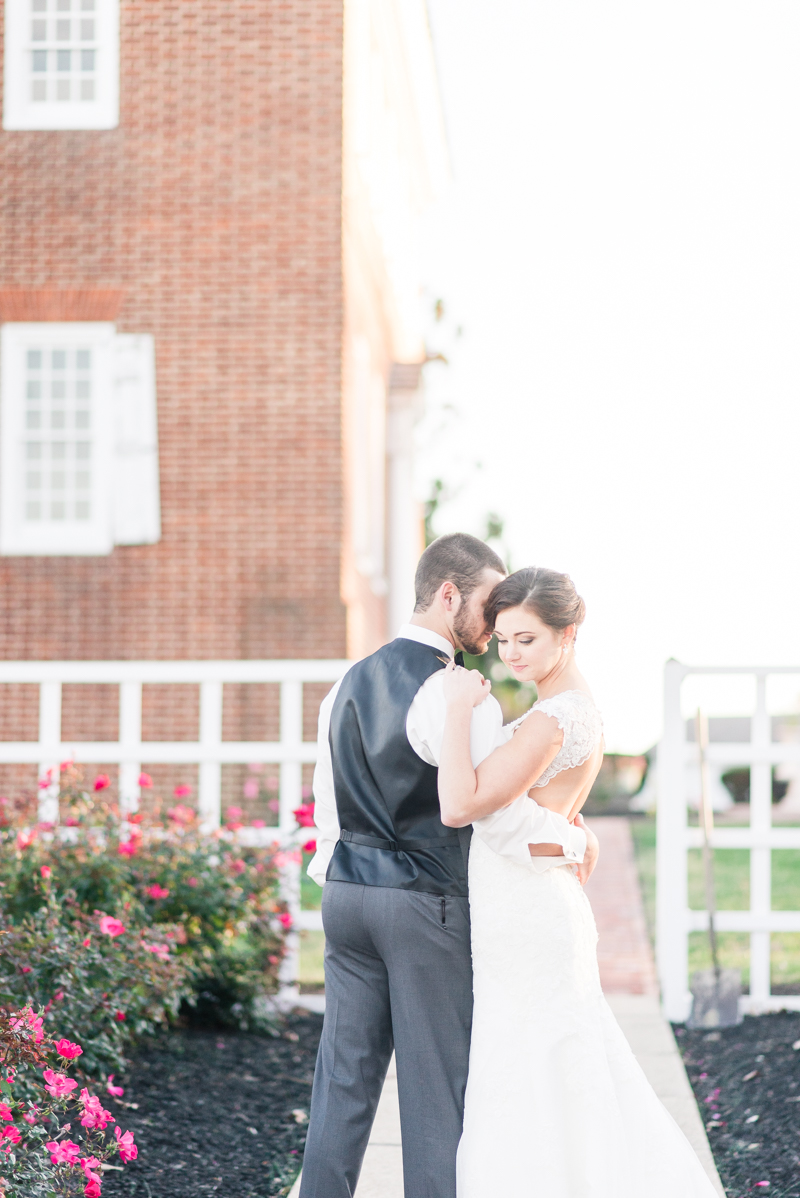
[450, 596]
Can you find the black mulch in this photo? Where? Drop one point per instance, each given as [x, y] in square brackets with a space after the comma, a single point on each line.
[747, 1083]
[215, 1113]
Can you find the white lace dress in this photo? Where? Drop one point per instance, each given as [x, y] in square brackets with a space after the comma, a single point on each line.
[556, 1105]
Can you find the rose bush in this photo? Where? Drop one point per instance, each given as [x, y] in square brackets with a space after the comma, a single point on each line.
[55, 1137]
[207, 902]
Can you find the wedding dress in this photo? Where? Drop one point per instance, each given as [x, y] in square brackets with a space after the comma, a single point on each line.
[557, 1105]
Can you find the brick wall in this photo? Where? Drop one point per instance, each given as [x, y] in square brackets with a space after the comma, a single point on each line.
[215, 209]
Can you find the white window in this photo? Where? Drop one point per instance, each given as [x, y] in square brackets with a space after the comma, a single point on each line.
[61, 64]
[78, 442]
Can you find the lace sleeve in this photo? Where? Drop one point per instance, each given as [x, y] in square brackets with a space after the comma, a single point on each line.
[580, 721]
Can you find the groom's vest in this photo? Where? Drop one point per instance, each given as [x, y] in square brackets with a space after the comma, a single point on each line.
[386, 796]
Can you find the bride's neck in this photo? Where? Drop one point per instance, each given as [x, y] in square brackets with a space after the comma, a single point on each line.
[565, 675]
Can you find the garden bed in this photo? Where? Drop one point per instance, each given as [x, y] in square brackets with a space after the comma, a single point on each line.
[217, 1113]
[747, 1083]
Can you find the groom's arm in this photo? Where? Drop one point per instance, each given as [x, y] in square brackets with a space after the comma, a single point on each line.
[326, 817]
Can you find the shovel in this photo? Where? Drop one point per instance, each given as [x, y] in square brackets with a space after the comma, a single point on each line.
[715, 992]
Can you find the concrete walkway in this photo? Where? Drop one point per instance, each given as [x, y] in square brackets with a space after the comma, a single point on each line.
[629, 982]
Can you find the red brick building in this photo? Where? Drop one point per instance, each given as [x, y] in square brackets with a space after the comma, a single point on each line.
[227, 189]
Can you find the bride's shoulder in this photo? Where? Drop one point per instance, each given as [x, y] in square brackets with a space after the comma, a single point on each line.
[565, 708]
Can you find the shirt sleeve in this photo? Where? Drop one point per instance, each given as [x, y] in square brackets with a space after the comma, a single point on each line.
[426, 719]
[326, 817]
[510, 831]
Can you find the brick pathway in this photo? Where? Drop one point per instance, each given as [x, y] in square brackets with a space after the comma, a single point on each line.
[623, 951]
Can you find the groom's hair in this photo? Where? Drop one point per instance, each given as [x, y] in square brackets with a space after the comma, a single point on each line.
[457, 558]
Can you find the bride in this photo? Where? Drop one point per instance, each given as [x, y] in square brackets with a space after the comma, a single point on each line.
[556, 1103]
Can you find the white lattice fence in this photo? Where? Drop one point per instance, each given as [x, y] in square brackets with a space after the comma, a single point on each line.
[209, 752]
[675, 920]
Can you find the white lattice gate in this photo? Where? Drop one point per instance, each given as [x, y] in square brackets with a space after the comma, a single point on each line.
[675, 920]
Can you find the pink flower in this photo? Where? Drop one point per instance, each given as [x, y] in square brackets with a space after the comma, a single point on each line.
[127, 1149]
[111, 926]
[181, 792]
[30, 1117]
[92, 1187]
[285, 918]
[114, 1091]
[58, 1084]
[238, 866]
[181, 814]
[283, 858]
[119, 1016]
[46, 780]
[10, 1133]
[192, 882]
[250, 788]
[34, 1022]
[93, 1183]
[234, 813]
[93, 1113]
[160, 950]
[310, 846]
[5, 1111]
[68, 1049]
[72, 822]
[157, 892]
[102, 781]
[145, 780]
[258, 823]
[45, 871]
[63, 1152]
[58, 996]
[87, 942]
[127, 848]
[25, 968]
[274, 805]
[26, 839]
[304, 815]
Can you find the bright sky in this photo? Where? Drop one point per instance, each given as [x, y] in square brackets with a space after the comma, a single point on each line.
[621, 245]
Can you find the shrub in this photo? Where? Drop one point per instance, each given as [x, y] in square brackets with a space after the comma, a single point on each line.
[101, 982]
[215, 896]
[41, 1155]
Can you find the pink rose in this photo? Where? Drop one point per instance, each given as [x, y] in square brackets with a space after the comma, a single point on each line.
[30, 1117]
[93, 1113]
[304, 815]
[285, 918]
[160, 950]
[310, 846]
[127, 848]
[5, 1111]
[258, 823]
[181, 814]
[102, 781]
[25, 839]
[181, 792]
[234, 813]
[250, 788]
[238, 866]
[25, 968]
[127, 1149]
[10, 1133]
[68, 1049]
[157, 892]
[111, 926]
[145, 780]
[192, 882]
[58, 1084]
[63, 1152]
[119, 1016]
[114, 1091]
[45, 871]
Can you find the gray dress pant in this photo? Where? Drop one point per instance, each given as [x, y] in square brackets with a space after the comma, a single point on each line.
[398, 975]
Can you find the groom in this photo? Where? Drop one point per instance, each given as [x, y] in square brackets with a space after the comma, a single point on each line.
[398, 972]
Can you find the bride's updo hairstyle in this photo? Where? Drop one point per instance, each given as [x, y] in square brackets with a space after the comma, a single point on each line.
[552, 596]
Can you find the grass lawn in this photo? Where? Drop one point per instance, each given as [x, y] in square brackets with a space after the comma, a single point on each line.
[732, 877]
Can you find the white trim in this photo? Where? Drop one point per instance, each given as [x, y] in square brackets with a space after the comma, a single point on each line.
[20, 110]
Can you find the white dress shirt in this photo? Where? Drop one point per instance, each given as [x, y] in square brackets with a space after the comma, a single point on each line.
[523, 822]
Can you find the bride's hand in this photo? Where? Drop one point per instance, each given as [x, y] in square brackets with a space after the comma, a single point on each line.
[464, 687]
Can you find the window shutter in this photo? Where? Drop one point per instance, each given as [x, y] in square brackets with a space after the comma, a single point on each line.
[137, 504]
